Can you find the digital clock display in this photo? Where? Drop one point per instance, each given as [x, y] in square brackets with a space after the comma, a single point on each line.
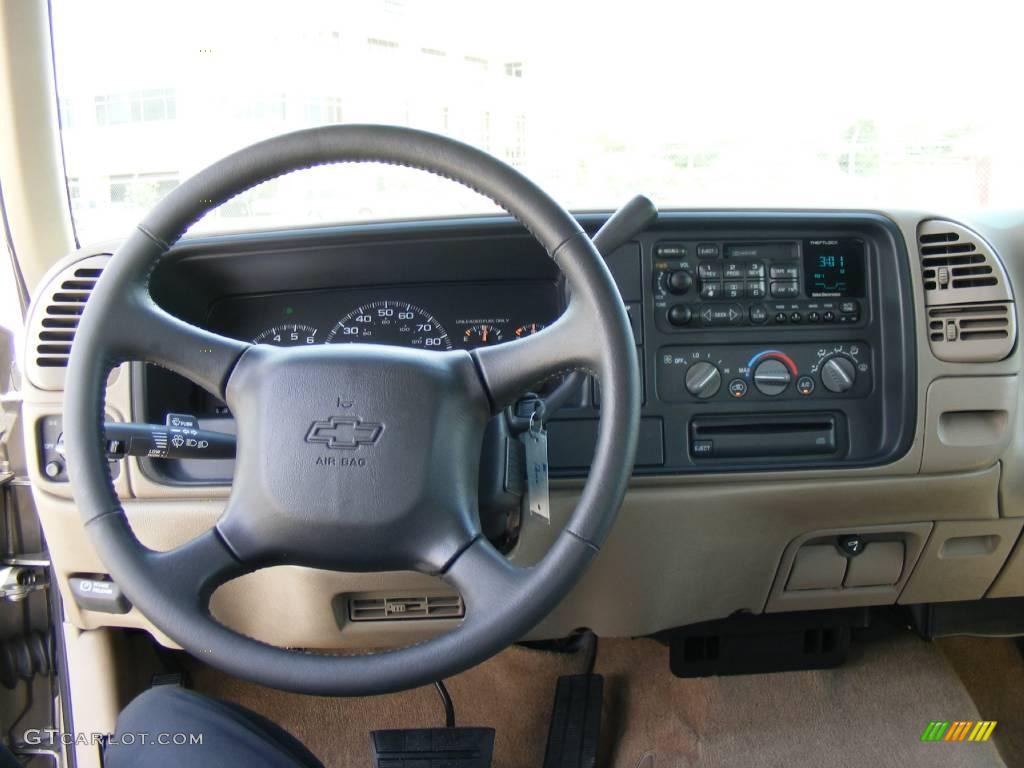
[834, 267]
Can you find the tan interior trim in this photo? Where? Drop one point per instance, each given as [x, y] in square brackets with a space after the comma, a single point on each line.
[31, 161]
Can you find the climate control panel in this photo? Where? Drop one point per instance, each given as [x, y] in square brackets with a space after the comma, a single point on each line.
[798, 371]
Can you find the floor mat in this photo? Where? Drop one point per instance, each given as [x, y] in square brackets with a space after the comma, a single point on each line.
[871, 712]
[993, 671]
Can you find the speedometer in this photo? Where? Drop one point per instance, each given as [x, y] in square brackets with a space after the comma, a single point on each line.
[390, 322]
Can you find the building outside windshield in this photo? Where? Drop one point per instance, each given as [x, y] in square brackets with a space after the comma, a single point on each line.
[698, 105]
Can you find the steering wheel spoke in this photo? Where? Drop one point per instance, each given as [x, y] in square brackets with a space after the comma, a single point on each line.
[508, 370]
[150, 334]
[483, 576]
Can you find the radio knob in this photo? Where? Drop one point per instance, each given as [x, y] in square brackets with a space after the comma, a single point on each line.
[771, 377]
[838, 375]
[678, 282]
[703, 380]
[679, 315]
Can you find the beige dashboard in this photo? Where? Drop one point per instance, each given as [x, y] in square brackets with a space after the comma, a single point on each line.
[942, 522]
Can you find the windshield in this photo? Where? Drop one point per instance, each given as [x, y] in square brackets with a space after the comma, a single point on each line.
[873, 104]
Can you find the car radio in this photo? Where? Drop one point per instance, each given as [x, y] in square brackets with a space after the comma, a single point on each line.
[813, 281]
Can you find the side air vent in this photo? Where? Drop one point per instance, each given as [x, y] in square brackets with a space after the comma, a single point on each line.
[958, 266]
[404, 607]
[971, 315]
[55, 315]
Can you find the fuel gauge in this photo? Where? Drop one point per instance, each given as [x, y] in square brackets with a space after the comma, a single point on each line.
[480, 335]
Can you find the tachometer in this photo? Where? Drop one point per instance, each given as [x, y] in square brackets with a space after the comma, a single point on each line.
[390, 322]
[288, 335]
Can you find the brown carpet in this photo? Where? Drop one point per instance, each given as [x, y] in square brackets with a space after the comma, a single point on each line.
[993, 671]
[869, 713]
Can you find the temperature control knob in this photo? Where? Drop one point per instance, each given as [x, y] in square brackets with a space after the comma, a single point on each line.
[838, 374]
[678, 282]
[771, 377]
[703, 380]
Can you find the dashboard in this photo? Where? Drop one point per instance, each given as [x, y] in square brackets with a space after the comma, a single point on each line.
[432, 317]
[775, 342]
[805, 375]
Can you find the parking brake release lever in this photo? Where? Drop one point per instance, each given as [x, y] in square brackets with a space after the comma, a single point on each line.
[178, 438]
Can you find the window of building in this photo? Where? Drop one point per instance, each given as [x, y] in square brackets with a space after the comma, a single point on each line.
[142, 189]
[514, 69]
[136, 107]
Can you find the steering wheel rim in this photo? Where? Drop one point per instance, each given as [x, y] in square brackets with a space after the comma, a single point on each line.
[172, 589]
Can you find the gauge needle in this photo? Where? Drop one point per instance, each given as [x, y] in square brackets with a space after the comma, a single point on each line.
[483, 334]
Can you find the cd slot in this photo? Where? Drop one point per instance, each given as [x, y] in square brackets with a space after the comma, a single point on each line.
[765, 435]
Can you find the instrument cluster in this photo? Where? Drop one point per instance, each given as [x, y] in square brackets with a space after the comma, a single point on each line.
[433, 317]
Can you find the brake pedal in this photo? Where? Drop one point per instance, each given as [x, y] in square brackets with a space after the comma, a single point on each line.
[575, 722]
[405, 748]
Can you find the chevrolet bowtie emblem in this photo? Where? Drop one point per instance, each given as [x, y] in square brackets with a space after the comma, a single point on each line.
[344, 432]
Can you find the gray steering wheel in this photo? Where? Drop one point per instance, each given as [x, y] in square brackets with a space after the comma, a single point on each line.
[412, 505]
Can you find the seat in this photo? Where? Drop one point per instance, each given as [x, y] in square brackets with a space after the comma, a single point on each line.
[168, 726]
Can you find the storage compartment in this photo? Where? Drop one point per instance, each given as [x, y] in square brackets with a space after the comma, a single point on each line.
[847, 568]
[817, 566]
[961, 561]
[967, 422]
[879, 565]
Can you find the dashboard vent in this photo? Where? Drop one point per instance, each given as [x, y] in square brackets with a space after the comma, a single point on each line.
[973, 332]
[971, 315]
[55, 317]
[958, 266]
[404, 608]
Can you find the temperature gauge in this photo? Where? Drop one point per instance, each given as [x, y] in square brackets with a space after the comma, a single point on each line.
[529, 329]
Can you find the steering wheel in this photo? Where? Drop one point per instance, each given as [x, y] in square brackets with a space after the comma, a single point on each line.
[410, 500]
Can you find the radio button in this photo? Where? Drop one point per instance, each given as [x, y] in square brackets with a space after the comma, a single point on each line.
[679, 315]
[756, 290]
[733, 271]
[758, 314]
[755, 270]
[670, 251]
[710, 290]
[709, 271]
[813, 317]
[707, 251]
[785, 290]
[829, 316]
[781, 317]
[784, 273]
[796, 317]
[849, 307]
[732, 289]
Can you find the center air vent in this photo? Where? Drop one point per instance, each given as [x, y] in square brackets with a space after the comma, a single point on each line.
[55, 315]
[971, 316]
[404, 607]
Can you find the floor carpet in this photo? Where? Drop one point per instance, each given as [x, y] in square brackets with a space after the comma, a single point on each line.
[871, 712]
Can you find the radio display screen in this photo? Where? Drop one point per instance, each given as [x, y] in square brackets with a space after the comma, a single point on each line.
[834, 267]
